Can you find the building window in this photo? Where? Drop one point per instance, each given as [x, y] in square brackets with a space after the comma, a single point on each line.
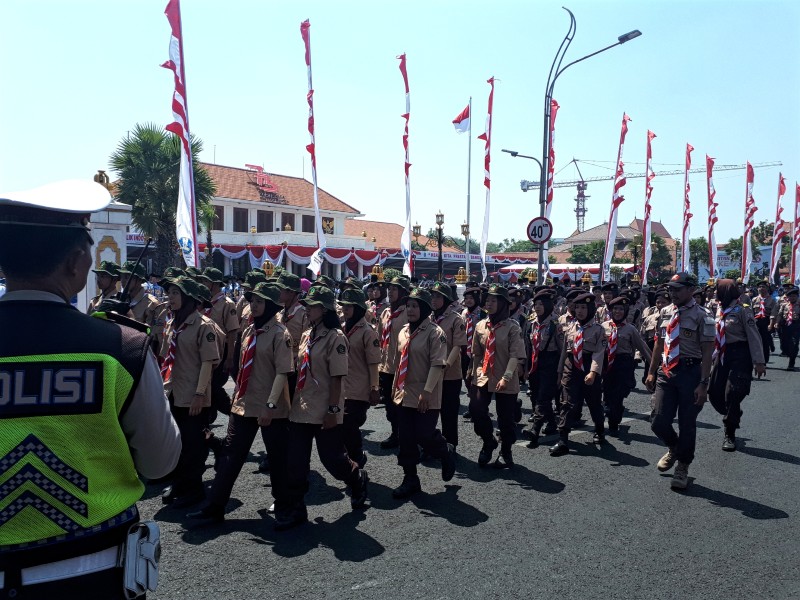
[265, 220]
[308, 224]
[240, 220]
[219, 218]
[287, 219]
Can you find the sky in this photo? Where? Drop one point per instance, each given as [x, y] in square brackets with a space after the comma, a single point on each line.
[722, 75]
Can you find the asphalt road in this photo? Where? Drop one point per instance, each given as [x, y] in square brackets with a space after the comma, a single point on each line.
[598, 523]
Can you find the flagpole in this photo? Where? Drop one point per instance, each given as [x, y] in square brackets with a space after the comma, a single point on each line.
[469, 179]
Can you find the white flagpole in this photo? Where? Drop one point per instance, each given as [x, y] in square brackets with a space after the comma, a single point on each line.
[469, 179]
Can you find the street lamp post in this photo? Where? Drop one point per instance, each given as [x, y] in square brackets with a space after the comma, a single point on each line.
[439, 232]
[465, 233]
[555, 71]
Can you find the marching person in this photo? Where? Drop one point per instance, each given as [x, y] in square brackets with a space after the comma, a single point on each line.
[261, 399]
[619, 377]
[547, 341]
[497, 350]
[580, 368]
[390, 322]
[737, 349]
[472, 314]
[190, 352]
[417, 393]
[446, 316]
[361, 384]
[376, 291]
[316, 413]
[87, 450]
[788, 325]
[650, 324]
[679, 375]
[142, 304]
[107, 276]
[765, 309]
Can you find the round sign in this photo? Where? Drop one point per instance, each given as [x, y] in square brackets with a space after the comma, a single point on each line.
[539, 230]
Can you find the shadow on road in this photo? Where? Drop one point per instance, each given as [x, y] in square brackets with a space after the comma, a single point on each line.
[749, 508]
[764, 453]
[609, 452]
[518, 475]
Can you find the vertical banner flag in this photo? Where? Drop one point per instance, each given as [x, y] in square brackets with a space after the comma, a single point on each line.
[687, 215]
[647, 228]
[616, 200]
[712, 219]
[186, 214]
[778, 232]
[461, 122]
[749, 219]
[315, 266]
[795, 235]
[487, 180]
[551, 166]
[405, 240]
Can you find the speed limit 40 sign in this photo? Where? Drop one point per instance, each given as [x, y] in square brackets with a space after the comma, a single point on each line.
[539, 230]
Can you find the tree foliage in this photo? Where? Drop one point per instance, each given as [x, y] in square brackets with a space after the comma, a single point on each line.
[591, 253]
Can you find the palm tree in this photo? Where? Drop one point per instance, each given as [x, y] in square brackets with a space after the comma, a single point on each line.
[698, 251]
[147, 162]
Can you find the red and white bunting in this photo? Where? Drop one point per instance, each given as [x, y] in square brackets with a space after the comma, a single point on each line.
[186, 213]
[315, 266]
[687, 215]
[647, 228]
[712, 219]
[795, 235]
[487, 159]
[778, 232]
[405, 239]
[551, 167]
[750, 209]
[616, 200]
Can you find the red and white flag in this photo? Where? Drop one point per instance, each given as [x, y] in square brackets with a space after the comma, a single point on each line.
[750, 209]
[687, 215]
[551, 167]
[405, 239]
[461, 122]
[646, 225]
[186, 214]
[487, 180]
[778, 232]
[796, 235]
[616, 199]
[712, 219]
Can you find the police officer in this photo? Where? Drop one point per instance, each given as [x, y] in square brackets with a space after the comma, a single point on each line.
[69, 508]
[679, 375]
[107, 275]
[737, 349]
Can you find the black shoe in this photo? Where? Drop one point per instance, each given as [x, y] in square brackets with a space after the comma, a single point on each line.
[390, 442]
[530, 419]
[534, 443]
[598, 438]
[613, 429]
[214, 444]
[291, 518]
[208, 514]
[729, 445]
[362, 460]
[504, 461]
[408, 488]
[550, 429]
[358, 492]
[559, 449]
[168, 495]
[485, 457]
[449, 463]
[187, 500]
[467, 416]
[263, 465]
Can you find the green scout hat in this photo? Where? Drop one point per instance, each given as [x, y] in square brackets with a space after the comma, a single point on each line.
[205, 295]
[253, 278]
[499, 290]
[171, 273]
[443, 290]
[320, 295]
[212, 274]
[266, 291]
[140, 272]
[324, 281]
[289, 282]
[108, 267]
[354, 297]
[420, 295]
[402, 282]
[193, 272]
[350, 282]
[188, 286]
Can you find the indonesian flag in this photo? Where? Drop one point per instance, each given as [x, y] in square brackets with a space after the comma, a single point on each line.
[778, 232]
[461, 122]
[750, 209]
[795, 234]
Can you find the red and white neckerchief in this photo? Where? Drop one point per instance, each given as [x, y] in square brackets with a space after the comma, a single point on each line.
[719, 337]
[612, 344]
[441, 317]
[762, 309]
[402, 368]
[491, 348]
[387, 330]
[473, 316]
[247, 363]
[169, 361]
[288, 317]
[305, 364]
[672, 343]
[536, 340]
[352, 330]
[577, 347]
[790, 315]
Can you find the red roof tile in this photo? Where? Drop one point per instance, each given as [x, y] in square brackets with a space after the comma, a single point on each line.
[387, 235]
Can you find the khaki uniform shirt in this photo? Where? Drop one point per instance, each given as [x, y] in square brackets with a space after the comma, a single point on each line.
[594, 342]
[650, 323]
[628, 339]
[560, 306]
[696, 327]
[143, 307]
[296, 322]
[603, 314]
[770, 306]
[551, 335]
[740, 326]
[160, 317]
[328, 360]
[273, 355]
[565, 321]
[508, 345]
[783, 313]
[196, 344]
[242, 305]
[455, 329]
[427, 347]
[223, 313]
[365, 350]
[635, 315]
[389, 355]
[95, 302]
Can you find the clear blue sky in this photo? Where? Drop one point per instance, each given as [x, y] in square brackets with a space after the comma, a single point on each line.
[722, 75]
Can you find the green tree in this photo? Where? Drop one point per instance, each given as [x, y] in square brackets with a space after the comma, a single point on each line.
[591, 253]
[762, 233]
[390, 273]
[147, 162]
[733, 274]
[734, 250]
[698, 252]
[660, 257]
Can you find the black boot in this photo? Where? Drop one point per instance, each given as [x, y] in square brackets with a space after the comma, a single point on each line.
[534, 443]
[599, 435]
[449, 463]
[505, 460]
[485, 456]
[791, 364]
[560, 448]
[729, 443]
[207, 515]
[358, 490]
[297, 515]
[393, 441]
[408, 488]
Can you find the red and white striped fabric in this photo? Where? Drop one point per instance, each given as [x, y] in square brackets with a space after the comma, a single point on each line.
[491, 348]
[613, 340]
[405, 239]
[462, 121]
[790, 315]
[647, 228]
[305, 364]
[487, 180]
[169, 361]
[536, 340]
[247, 363]
[577, 348]
[687, 215]
[762, 308]
[551, 167]
[795, 235]
[749, 220]
[387, 330]
[402, 367]
[712, 218]
[778, 231]
[719, 338]
[672, 344]
[616, 200]
[472, 320]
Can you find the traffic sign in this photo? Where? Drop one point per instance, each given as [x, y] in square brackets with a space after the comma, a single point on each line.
[539, 230]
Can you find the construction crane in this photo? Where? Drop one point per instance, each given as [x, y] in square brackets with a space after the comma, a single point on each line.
[582, 183]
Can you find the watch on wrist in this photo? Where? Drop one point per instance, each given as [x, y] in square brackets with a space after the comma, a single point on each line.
[705, 381]
[272, 405]
[334, 409]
